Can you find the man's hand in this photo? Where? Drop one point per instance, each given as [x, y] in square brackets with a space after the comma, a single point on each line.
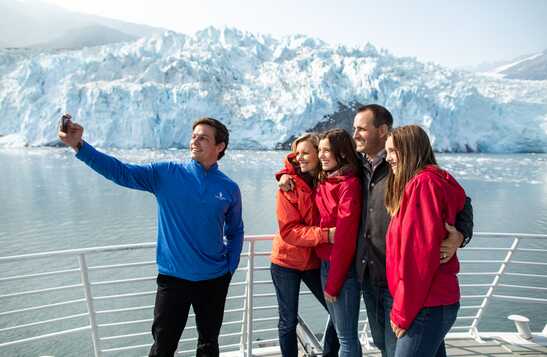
[399, 332]
[330, 299]
[451, 243]
[286, 183]
[73, 135]
[331, 235]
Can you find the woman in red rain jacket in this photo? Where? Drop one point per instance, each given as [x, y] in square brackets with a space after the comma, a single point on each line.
[338, 199]
[293, 256]
[420, 197]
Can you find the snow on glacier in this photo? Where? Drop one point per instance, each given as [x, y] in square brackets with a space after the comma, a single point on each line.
[146, 94]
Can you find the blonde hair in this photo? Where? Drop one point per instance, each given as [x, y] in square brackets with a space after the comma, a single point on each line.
[414, 152]
[312, 138]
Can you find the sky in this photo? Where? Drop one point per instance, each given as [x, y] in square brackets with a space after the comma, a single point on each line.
[454, 33]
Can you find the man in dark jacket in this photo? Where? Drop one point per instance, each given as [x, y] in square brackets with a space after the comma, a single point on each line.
[372, 124]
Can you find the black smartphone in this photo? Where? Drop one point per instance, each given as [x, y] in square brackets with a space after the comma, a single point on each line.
[64, 122]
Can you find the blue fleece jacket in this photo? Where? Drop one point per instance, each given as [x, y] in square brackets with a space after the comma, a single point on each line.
[200, 229]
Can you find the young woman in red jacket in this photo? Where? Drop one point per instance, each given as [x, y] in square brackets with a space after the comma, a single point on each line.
[293, 256]
[420, 197]
[338, 199]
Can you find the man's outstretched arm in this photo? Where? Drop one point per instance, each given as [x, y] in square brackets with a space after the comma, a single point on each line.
[140, 177]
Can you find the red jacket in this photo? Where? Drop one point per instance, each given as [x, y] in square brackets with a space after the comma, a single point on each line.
[298, 231]
[339, 202]
[416, 279]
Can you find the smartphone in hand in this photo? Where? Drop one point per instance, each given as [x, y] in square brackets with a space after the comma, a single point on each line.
[64, 122]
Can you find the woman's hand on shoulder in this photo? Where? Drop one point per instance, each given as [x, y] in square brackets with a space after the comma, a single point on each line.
[286, 183]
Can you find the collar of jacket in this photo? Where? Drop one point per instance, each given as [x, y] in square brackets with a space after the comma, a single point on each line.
[377, 159]
[341, 174]
[200, 169]
[367, 165]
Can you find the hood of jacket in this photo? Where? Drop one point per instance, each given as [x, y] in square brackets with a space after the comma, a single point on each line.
[442, 174]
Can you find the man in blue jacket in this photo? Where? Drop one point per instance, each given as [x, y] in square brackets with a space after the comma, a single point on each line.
[200, 231]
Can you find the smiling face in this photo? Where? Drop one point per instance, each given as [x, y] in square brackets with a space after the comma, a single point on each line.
[391, 154]
[307, 156]
[203, 147]
[326, 156]
[369, 139]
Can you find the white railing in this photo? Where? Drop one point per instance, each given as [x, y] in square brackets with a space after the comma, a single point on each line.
[107, 293]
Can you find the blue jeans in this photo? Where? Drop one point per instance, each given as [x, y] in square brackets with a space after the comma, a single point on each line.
[378, 302]
[344, 312]
[425, 337]
[287, 288]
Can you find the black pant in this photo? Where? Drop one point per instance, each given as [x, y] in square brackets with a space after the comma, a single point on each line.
[173, 299]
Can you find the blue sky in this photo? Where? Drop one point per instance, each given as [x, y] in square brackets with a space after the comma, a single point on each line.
[452, 33]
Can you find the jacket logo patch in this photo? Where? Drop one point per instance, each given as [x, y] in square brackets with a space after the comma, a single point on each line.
[220, 196]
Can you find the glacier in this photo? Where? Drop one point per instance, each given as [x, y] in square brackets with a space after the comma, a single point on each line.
[147, 93]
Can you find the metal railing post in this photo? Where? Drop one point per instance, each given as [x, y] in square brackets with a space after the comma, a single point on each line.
[243, 340]
[250, 293]
[364, 336]
[473, 330]
[89, 302]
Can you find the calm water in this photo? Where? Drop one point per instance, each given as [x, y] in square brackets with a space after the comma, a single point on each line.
[51, 201]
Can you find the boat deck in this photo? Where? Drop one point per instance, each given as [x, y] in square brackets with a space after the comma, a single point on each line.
[499, 346]
[99, 302]
[490, 348]
[469, 347]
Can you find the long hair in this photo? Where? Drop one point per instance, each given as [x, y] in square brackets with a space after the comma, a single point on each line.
[343, 148]
[414, 152]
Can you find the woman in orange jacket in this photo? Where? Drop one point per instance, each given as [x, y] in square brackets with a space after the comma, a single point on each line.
[293, 256]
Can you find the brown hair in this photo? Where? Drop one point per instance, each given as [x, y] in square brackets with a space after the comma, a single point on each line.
[221, 132]
[380, 114]
[414, 152]
[343, 148]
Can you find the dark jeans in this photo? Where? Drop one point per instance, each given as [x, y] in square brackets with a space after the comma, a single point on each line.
[344, 312]
[425, 337]
[287, 288]
[173, 299]
[378, 302]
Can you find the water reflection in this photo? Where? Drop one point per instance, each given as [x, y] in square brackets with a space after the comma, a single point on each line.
[50, 200]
